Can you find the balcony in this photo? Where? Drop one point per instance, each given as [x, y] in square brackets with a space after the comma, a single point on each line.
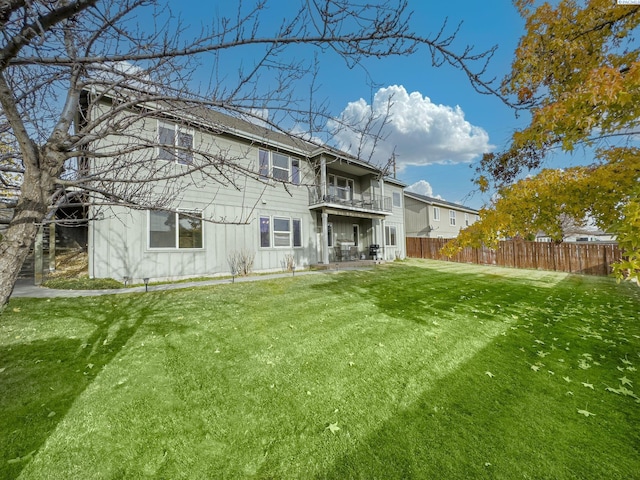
[344, 198]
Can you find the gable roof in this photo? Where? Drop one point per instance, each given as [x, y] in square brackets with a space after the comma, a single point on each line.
[438, 202]
[198, 114]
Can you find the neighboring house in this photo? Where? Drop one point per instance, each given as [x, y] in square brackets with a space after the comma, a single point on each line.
[333, 208]
[433, 218]
[581, 236]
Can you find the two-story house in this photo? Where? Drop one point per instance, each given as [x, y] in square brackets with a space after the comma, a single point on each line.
[332, 208]
[434, 218]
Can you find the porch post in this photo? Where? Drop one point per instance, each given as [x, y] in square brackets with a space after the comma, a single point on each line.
[323, 178]
[382, 222]
[325, 238]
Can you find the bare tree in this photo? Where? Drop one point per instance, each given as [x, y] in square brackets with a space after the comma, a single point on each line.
[76, 72]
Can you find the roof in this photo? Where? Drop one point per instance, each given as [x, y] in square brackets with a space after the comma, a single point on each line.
[198, 114]
[437, 201]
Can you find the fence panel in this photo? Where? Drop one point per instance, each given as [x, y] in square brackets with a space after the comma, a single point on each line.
[589, 259]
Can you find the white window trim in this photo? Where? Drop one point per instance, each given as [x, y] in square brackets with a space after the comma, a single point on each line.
[452, 218]
[389, 228]
[175, 248]
[397, 195]
[177, 129]
[270, 167]
[436, 214]
[272, 245]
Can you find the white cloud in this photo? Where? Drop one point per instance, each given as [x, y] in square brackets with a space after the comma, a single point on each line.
[418, 131]
[422, 187]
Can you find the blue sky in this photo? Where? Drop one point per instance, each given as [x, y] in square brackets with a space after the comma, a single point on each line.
[440, 125]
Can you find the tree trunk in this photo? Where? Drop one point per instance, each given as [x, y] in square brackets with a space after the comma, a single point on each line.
[29, 213]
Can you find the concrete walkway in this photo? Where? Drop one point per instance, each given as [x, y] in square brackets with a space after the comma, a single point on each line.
[24, 288]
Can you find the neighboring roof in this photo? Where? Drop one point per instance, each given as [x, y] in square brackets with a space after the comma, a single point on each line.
[437, 201]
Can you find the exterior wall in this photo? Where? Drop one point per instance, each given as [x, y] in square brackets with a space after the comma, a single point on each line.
[416, 217]
[119, 241]
[421, 221]
[395, 220]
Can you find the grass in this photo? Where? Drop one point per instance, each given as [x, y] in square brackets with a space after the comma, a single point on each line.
[415, 370]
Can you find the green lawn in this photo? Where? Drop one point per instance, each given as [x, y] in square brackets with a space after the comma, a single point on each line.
[413, 370]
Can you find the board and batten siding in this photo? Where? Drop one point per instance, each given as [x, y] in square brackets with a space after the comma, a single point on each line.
[118, 239]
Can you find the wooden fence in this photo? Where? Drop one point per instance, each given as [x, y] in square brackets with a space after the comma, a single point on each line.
[589, 259]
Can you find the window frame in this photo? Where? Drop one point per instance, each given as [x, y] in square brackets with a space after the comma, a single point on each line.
[466, 219]
[391, 236]
[177, 217]
[267, 232]
[436, 214]
[172, 149]
[278, 234]
[397, 195]
[452, 218]
[267, 167]
[264, 221]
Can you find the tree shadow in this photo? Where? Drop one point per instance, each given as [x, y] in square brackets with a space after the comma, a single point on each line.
[469, 425]
[42, 379]
[429, 294]
[495, 417]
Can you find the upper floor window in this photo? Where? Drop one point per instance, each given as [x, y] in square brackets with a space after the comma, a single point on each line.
[176, 143]
[340, 188]
[278, 166]
[466, 219]
[452, 217]
[397, 200]
[175, 230]
[436, 213]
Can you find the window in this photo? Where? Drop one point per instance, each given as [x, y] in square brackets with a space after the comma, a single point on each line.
[466, 219]
[452, 217]
[390, 236]
[356, 234]
[436, 213]
[177, 143]
[278, 166]
[297, 232]
[397, 200]
[263, 156]
[295, 171]
[175, 230]
[265, 232]
[330, 234]
[280, 232]
[340, 188]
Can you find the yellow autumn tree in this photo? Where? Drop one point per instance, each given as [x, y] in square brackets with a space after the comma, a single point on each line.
[577, 71]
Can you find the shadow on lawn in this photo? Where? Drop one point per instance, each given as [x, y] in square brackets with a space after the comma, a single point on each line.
[423, 295]
[42, 379]
[494, 417]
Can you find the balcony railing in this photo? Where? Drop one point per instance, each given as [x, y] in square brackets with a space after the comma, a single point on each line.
[345, 198]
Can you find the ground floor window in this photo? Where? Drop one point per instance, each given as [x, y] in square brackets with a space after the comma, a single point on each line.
[280, 232]
[390, 236]
[175, 230]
